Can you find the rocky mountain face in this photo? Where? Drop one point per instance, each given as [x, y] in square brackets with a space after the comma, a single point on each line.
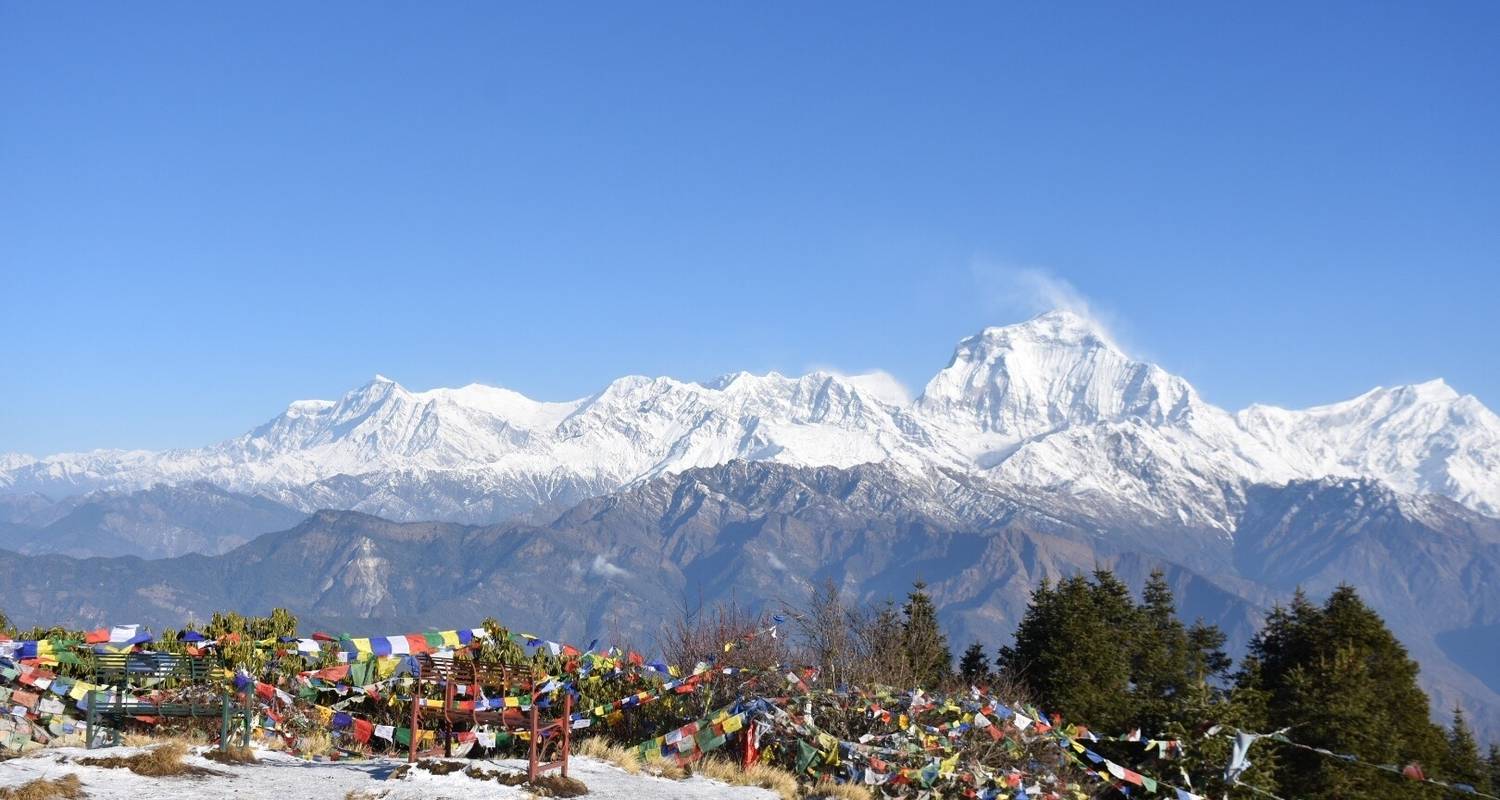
[763, 534]
[1050, 405]
[161, 521]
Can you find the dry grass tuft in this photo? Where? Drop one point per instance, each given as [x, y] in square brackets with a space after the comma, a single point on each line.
[598, 747]
[68, 786]
[354, 794]
[764, 776]
[828, 790]
[162, 761]
[188, 736]
[234, 754]
[136, 739]
[656, 764]
[317, 742]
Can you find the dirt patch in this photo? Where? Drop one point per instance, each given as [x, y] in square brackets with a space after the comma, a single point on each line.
[558, 786]
[544, 786]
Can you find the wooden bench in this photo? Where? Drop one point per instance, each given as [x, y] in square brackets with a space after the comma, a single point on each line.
[441, 681]
[120, 673]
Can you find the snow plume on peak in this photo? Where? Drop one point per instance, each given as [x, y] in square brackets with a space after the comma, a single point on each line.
[1012, 290]
[875, 383]
[1050, 372]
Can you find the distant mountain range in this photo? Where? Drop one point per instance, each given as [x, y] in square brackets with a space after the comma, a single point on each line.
[1050, 404]
[1040, 450]
[763, 533]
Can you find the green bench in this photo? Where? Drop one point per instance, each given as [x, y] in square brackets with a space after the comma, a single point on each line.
[119, 673]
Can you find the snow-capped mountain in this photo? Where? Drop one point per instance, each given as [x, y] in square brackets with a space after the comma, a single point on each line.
[1051, 404]
[1425, 438]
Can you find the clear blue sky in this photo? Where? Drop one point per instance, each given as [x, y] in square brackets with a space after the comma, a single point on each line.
[207, 212]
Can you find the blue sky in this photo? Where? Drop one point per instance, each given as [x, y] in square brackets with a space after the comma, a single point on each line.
[207, 212]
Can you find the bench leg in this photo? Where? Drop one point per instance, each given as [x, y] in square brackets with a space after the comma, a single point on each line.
[89, 728]
[116, 737]
[248, 714]
[534, 750]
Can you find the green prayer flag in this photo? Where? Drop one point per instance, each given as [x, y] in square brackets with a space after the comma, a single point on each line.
[805, 756]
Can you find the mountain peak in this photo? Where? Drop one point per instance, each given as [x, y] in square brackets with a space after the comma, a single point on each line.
[1059, 326]
[1436, 389]
[1048, 373]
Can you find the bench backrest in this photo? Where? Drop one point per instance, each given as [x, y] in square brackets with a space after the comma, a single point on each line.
[124, 668]
[467, 671]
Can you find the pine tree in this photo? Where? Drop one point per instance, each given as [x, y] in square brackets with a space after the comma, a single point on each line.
[924, 644]
[882, 640]
[1160, 670]
[1073, 649]
[1494, 762]
[1342, 679]
[1463, 764]
[974, 667]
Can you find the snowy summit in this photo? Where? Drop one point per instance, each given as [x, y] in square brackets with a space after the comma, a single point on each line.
[1051, 404]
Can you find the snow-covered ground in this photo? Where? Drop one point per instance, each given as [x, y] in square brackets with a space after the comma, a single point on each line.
[279, 776]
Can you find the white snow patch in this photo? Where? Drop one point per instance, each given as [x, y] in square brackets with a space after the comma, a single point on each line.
[279, 776]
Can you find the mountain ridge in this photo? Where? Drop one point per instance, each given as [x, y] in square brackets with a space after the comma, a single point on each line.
[1051, 404]
[764, 533]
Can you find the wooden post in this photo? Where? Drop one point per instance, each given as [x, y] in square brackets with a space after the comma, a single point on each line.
[450, 698]
[535, 730]
[416, 716]
[567, 729]
[224, 721]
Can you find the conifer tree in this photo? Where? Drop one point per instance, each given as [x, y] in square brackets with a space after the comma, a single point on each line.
[924, 644]
[1072, 650]
[974, 667]
[882, 640]
[1463, 764]
[1342, 681]
[1494, 761]
[1160, 671]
